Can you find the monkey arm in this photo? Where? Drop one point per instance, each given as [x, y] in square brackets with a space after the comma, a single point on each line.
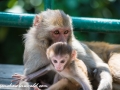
[31, 76]
[83, 81]
[102, 74]
[34, 60]
[92, 61]
[39, 73]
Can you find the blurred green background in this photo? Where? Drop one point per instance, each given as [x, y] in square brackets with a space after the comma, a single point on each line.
[11, 42]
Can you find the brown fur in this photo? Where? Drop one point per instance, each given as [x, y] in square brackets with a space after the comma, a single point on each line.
[110, 53]
[63, 85]
[72, 68]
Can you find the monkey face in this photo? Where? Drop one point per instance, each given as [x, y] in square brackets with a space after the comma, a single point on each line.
[59, 62]
[60, 34]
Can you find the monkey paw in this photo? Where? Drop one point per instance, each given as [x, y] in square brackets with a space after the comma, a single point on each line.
[19, 77]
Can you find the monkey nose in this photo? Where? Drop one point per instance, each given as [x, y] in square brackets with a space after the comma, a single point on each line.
[62, 40]
[58, 69]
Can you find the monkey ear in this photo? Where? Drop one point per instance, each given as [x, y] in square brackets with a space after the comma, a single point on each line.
[37, 20]
[74, 54]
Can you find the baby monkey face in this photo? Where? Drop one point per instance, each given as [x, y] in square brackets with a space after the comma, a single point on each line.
[59, 62]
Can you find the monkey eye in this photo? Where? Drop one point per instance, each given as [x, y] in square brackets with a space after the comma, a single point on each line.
[55, 61]
[62, 61]
[56, 32]
[66, 32]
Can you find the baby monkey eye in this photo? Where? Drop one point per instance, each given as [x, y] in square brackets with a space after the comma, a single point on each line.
[62, 61]
[66, 32]
[55, 61]
[56, 32]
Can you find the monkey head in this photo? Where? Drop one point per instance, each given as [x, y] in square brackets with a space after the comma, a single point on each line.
[53, 26]
[60, 55]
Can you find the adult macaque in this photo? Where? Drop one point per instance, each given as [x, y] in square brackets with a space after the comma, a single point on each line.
[64, 61]
[53, 26]
[109, 53]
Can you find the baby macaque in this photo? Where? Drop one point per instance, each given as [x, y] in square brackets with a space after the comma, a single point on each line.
[64, 61]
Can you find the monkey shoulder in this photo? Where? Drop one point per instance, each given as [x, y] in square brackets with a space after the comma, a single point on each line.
[79, 47]
[78, 65]
[81, 65]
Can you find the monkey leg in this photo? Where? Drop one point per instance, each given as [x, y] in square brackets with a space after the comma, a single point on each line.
[64, 84]
[114, 64]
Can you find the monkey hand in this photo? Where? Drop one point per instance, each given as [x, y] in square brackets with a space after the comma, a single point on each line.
[105, 86]
[105, 79]
[19, 77]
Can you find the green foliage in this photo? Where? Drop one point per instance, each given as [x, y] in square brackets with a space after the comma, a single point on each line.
[11, 42]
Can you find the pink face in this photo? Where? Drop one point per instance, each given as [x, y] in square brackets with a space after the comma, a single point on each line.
[60, 34]
[59, 62]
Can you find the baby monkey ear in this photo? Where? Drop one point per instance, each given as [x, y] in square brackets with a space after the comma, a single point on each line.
[48, 54]
[74, 54]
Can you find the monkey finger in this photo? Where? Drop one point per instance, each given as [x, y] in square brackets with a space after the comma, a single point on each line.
[36, 88]
[15, 80]
[16, 77]
[17, 74]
